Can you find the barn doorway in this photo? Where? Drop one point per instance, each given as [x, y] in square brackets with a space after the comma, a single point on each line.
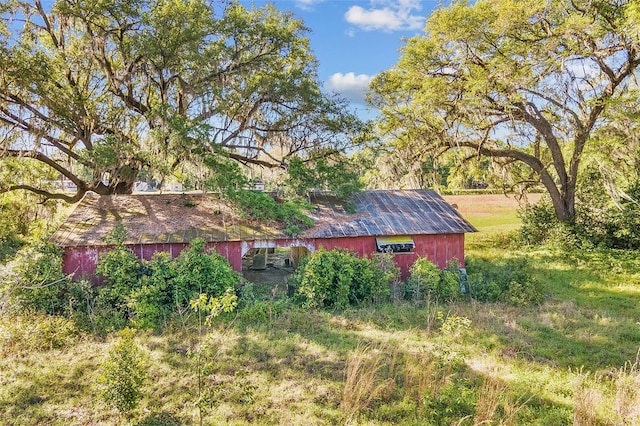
[271, 265]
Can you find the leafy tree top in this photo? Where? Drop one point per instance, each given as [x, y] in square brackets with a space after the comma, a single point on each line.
[523, 82]
[96, 91]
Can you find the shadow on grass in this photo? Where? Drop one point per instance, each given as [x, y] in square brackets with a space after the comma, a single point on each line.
[589, 318]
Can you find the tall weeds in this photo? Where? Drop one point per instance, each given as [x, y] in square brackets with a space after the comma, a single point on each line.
[627, 398]
[624, 398]
[488, 401]
[364, 381]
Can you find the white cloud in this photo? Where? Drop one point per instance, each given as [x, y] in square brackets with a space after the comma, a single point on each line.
[307, 4]
[387, 15]
[350, 86]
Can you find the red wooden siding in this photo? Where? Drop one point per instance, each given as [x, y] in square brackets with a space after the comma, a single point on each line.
[439, 249]
[82, 261]
[231, 250]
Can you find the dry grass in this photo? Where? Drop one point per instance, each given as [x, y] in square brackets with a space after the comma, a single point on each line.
[627, 397]
[363, 380]
[488, 401]
[586, 398]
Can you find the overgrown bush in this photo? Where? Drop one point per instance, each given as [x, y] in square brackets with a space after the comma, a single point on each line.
[122, 270]
[198, 272]
[391, 274]
[123, 374]
[610, 225]
[36, 332]
[539, 223]
[337, 279]
[23, 218]
[598, 222]
[34, 281]
[133, 291]
[427, 282]
[510, 282]
[152, 302]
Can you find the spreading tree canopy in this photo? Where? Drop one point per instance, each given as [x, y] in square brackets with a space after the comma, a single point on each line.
[94, 92]
[524, 82]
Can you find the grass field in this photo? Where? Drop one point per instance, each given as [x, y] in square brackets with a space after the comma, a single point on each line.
[570, 361]
[491, 213]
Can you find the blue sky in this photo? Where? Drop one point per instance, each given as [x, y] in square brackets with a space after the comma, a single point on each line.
[354, 40]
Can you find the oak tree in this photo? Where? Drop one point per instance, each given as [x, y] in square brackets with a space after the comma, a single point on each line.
[524, 82]
[95, 92]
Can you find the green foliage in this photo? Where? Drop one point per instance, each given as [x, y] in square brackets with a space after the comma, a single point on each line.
[510, 281]
[197, 272]
[264, 207]
[225, 174]
[341, 176]
[153, 302]
[123, 374]
[37, 282]
[337, 279]
[13, 227]
[251, 67]
[36, 332]
[534, 122]
[539, 222]
[391, 274]
[23, 217]
[454, 401]
[148, 293]
[428, 282]
[263, 312]
[148, 306]
[121, 270]
[214, 306]
[605, 224]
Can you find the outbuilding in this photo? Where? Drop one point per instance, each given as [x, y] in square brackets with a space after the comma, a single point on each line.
[407, 223]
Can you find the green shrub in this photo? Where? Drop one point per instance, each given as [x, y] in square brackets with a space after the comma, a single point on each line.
[337, 279]
[510, 282]
[198, 272]
[146, 304]
[539, 222]
[36, 282]
[455, 401]
[121, 270]
[262, 312]
[123, 374]
[427, 282]
[151, 304]
[523, 292]
[391, 273]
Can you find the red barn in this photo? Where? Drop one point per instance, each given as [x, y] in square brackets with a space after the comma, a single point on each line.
[409, 224]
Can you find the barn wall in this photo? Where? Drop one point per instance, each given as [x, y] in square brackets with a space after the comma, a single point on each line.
[362, 246]
[439, 249]
[231, 250]
[82, 261]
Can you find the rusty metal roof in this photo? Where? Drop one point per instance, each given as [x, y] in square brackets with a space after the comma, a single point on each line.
[179, 218]
[386, 212]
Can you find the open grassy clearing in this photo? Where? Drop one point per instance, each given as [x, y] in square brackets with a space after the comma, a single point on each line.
[568, 361]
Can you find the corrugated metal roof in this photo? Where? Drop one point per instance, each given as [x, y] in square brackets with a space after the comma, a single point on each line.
[179, 218]
[378, 213]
